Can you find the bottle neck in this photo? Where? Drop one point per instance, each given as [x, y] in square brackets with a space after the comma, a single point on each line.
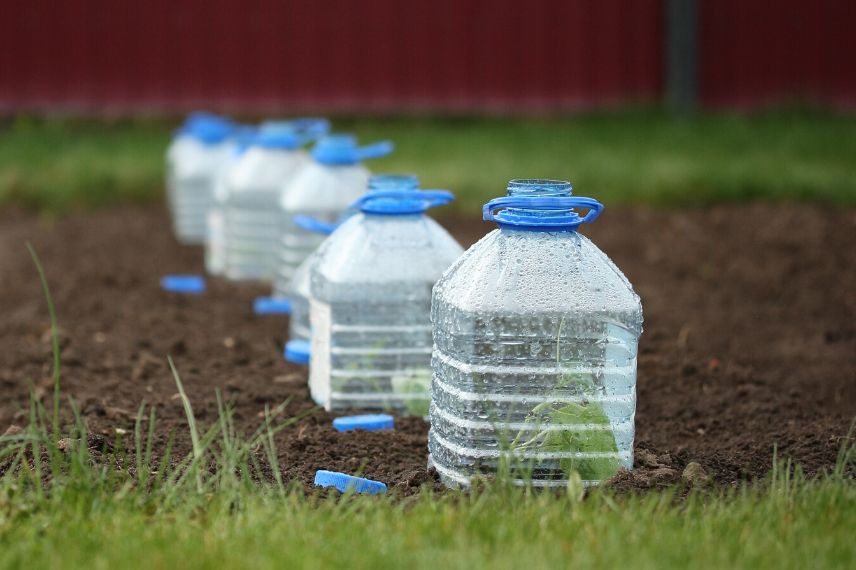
[538, 188]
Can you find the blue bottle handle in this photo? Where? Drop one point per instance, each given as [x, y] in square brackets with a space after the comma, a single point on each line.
[426, 198]
[310, 128]
[375, 150]
[314, 225]
[548, 203]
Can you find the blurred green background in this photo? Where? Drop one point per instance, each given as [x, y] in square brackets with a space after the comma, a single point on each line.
[624, 157]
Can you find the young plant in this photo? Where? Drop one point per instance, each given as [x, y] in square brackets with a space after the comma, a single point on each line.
[403, 385]
[417, 382]
[572, 428]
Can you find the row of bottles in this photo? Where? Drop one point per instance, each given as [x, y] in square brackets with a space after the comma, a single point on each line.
[521, 351]
[238, 189]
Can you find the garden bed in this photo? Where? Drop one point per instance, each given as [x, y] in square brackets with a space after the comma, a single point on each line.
[749, 342]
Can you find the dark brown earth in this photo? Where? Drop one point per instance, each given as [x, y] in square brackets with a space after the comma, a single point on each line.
[749, 342]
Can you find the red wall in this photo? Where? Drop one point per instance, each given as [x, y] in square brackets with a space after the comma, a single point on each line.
[370, 55]
[346, 55]
[755, 52]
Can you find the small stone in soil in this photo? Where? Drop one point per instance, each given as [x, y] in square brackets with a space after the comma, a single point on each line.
[646, 458]
[695, 475]
[663, 475]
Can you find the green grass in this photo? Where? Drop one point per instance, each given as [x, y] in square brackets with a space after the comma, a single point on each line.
[797, 524]
[158, 513]
[94, 516]
[618, 157]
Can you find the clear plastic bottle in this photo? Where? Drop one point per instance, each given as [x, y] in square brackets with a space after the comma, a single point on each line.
[323, 190]
[535, 340]
[298, 347]
[251, 193]
[194, 161]
[215, 231]
[370, 298]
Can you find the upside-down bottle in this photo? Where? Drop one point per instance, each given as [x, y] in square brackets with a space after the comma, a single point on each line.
[323, 190]
[215, 231]
[535, 340]
[298, 347]
[370, 299]
[194, 161]
[252, 192]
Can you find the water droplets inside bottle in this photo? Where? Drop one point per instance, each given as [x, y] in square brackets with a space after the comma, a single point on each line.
[323, 191]
[370, 297]
[194, 162]
[534, 369]
[252, 189]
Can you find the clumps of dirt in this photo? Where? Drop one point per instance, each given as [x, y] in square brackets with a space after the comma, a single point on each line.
[749, 342]
[652, 471]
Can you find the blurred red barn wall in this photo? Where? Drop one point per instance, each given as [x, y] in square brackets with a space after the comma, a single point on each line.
[754, 52]
[375, 55]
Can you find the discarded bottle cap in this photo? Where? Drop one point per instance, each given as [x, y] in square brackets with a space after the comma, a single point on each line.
[193, 284]
[370, 422]
[297, 351]
[344, 482]
[271, 306]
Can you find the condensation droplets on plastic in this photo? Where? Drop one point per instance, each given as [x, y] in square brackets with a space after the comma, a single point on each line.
[535, 336]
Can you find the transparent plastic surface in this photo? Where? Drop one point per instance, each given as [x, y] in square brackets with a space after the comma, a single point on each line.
[534, 362]
[320, 191]
[370, 297]
[192, 171]
[298, 296]
[250, 218]
[298, 321]
[215, 240]
[215, 225]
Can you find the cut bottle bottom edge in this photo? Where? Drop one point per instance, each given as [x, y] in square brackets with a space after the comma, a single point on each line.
[455, 480]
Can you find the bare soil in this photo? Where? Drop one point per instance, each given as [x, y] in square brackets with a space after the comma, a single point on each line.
[749, 342]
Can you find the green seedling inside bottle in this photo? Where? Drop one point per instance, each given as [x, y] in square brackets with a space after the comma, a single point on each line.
[416, 383]
[413, 387]
[588, 429]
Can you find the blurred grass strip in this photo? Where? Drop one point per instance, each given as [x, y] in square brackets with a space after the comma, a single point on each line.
[624, 157]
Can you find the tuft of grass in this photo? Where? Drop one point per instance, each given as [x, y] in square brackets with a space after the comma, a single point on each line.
[620, 157]
[54, 337]
[789, 522]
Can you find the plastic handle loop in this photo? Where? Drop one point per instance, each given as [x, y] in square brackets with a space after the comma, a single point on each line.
[547, 203]
[314, 225]
[310, 129]
[376, 150]
[425, 199]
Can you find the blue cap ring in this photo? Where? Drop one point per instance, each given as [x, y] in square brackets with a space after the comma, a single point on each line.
[190, 284]
[397, 202]
[344, 482]
[271, 306]
[522, 212]
[298, 351]
[207, 128]
[341, 149]
[368, 422]
[290, 134]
